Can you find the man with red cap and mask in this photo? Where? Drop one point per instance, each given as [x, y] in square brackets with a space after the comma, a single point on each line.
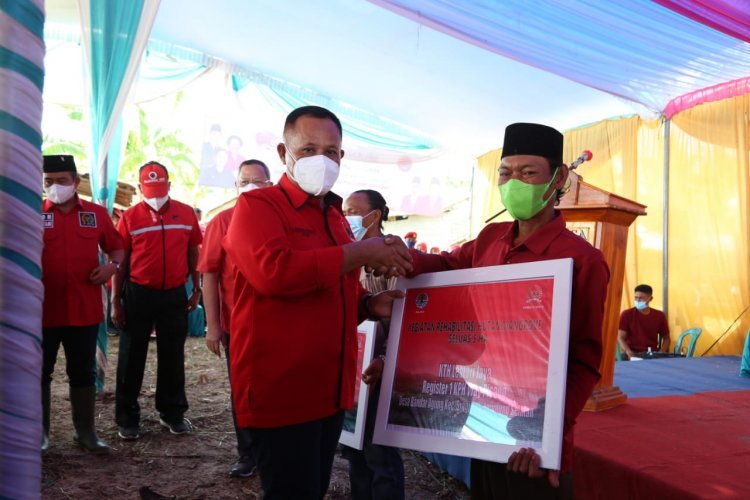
[161, 249]
[410, 239]
[74, 231]
[532, 178]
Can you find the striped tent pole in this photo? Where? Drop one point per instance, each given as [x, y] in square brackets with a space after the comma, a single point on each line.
[21, 292]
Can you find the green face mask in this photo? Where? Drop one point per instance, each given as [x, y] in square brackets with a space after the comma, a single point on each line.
[524, 200]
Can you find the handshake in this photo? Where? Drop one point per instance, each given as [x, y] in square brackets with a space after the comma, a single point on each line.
[385, 255]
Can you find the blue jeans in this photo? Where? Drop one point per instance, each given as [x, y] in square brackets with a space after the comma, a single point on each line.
[376, 471]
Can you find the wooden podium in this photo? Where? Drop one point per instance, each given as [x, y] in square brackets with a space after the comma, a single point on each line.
[603, 219]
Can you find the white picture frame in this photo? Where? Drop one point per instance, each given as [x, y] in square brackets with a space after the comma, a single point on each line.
[353, 432]
[482, 373]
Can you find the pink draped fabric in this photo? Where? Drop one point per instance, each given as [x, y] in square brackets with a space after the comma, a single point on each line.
[731, 17]
[709, 94]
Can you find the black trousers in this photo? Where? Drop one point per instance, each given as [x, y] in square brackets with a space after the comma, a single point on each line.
[79, 343]
[242, 433]
[145, 309]
[492, 481]
[295, 461]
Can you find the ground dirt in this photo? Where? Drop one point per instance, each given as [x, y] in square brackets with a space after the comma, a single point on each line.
[193, 466]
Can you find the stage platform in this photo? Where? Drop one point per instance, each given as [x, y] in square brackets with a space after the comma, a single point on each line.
[684, 433]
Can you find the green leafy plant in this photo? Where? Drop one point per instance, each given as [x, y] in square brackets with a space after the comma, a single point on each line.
[54, 145]
[146, 143]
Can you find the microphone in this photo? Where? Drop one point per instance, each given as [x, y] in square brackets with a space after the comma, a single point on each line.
[585, 156]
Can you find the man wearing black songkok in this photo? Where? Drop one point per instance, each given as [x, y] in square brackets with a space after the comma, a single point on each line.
[532, 178]
[74, 231]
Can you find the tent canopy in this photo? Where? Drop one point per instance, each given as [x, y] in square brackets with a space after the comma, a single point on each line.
[408, 60]
[466, 93]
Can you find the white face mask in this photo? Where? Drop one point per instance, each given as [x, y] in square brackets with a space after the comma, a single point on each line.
[248, 187]
[156, 203]
[59, 194]
[315, 175]
[355, 222]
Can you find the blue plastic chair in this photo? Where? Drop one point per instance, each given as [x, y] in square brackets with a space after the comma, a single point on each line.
[694, 333]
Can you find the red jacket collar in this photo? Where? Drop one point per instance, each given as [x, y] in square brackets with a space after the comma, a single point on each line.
[298, 197]
[540, 239]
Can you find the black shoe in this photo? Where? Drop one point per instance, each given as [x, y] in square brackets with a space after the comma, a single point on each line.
[181, 427]
[129, 433]
[244, 467]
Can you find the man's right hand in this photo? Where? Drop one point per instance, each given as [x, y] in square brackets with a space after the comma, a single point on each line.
[213, 339]
[627, 353]
[117, 314]
[392, 256]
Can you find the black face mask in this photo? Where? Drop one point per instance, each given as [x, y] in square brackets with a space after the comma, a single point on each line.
[410, 243]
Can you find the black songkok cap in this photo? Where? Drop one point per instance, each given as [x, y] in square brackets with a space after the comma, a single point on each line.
[59, 163]
[533, 139]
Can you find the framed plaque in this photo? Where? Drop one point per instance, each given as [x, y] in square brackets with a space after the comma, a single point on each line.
[353, 433]
[477, 362]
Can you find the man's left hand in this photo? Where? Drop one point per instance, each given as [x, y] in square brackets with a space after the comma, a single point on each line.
[526, 461]
[195, 297]
[374, 371]
[381, 304]
[101, 274]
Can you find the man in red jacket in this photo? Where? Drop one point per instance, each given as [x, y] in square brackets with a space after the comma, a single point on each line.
[218, 289]
[161, 241]
[74, 231]
[532, 179]
[297, 304]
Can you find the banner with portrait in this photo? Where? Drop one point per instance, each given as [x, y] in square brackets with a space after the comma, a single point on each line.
[477, 360]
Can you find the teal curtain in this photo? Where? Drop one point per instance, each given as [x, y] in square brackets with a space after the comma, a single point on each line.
[114, 26]
[359, 124]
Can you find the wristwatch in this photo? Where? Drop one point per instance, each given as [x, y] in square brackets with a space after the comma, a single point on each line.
[116, 263]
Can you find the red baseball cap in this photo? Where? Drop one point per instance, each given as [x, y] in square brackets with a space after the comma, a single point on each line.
[411, 234]
[154, 180]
